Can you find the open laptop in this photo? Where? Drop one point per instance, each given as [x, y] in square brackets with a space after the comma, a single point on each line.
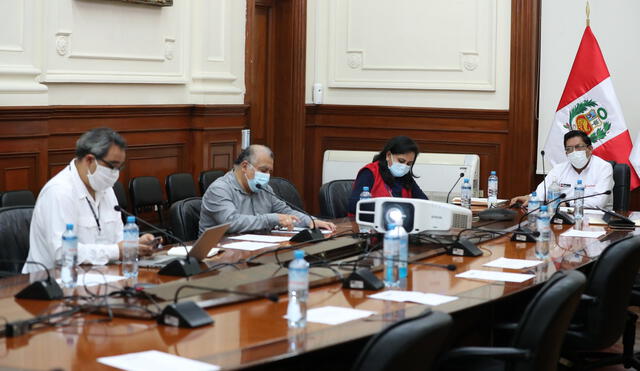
[200, 249]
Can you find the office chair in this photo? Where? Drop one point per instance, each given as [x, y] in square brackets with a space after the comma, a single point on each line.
[286, 190]
[17, 198]
[146, 195]
[15, 222]
[537, 340]
[410, 344]
[603, 315]
[334, 198]
[207, 177]
[184, 216]
[179, 186]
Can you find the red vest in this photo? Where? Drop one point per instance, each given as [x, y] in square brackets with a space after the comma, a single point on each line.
[380, 188]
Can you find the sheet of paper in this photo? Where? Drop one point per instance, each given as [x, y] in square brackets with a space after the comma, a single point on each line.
[249, 246]
[179, 251]
[296, 230]
[585, 234]
[413, 296]
[156, 361]
[495, 276]
[260, 238]
[478, 201]
[593, 212]
[331, 315]
[512, 263]
[93, 279]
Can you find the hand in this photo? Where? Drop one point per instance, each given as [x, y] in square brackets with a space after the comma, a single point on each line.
[146, 239]
[287, 221]
[524, 200]
[324, 225]
[144, 246]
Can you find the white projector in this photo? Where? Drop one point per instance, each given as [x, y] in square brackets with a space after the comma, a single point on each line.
[416, 215]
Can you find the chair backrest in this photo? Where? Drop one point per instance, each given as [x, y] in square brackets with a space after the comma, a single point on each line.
[546, 319]
[17, 198]
[410, 344]
[179, 186]
[15, 222]
[121, 195]
[621, 186]
[207, 177]
[184, 216]
[286, 190]
[610, 282]
[145, 191]
[334, 198]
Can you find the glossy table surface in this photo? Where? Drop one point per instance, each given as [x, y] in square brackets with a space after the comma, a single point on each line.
[254, 331]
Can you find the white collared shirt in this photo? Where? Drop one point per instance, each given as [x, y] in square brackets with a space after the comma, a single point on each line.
[596, 177]
[65, 199]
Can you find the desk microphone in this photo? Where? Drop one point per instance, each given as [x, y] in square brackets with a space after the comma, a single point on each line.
[454, 185]
[306, 234]
[177, 267]
[526, 234]
[190, 315]
[561, 217]
[47, 289]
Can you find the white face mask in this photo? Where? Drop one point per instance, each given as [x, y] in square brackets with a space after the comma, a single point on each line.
[578, 159]
[103, 178]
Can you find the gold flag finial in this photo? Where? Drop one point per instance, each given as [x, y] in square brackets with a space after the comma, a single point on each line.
[588, 10]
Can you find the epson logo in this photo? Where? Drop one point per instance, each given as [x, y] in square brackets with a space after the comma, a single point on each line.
[436, 217]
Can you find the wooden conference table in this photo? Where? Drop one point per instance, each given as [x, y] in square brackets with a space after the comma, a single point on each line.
[254, 332]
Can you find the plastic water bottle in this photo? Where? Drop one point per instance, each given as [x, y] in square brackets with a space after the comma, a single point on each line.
[364, 195]
[298, 290]
[403, 250]
[578, 212]
[553, 192]
[391, 252]
[68, 272]
[492, 190]
[465, 194]
[542, 244]
[533, 204]
[131, 233]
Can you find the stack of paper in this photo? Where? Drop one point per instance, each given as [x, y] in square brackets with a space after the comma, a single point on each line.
[414, 297]
[331, 315]
[495, 276]
[512, 263]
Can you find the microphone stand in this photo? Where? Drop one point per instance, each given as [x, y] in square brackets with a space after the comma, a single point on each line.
[561, 217]
[454, 185]
[544, 180]
[526, 234]
[308, 234]
[179, 267]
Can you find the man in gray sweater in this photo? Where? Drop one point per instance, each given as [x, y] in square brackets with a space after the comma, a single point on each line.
[235, 198]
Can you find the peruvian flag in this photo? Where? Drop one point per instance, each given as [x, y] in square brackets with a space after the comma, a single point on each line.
[589, 103]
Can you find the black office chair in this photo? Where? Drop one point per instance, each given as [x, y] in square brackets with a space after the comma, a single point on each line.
[146, 195]
[603, 315]
[207, 177]
[410, 344]
[537, 341]
[179, 186]
[17, 198]
[184, 216]
[334, 198]
[15, 222]
[621, 187]
[286, 190]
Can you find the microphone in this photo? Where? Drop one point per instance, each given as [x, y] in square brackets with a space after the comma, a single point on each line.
[47, 289]
[560, 217]
[305, 235]
[190, 315]
[454, 185]
[544, 180]
[178, 267]
[526, 234]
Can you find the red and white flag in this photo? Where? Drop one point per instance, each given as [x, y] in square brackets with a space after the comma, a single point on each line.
[589, 103]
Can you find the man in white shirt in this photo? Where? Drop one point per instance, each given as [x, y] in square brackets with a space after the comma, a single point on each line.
[596, 173]
[82, 194]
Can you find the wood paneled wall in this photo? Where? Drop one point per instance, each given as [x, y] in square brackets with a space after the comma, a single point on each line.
[36, 142]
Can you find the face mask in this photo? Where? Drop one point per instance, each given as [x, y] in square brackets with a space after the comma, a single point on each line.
[103, 178]
[259, 178]
[578, 159]
[399, 170]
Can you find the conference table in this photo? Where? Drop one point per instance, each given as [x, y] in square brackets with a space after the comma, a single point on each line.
[253, 333]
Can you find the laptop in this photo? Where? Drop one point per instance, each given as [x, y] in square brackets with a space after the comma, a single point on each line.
[200, 249]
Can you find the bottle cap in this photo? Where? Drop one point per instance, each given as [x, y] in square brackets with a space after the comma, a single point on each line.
[579, 181]
[543, 208]
[131, 219]
[493, 172]
[391, 226]
[534, 193]
[466, 180]
[69, 227]
[365, 189]
[298, 254]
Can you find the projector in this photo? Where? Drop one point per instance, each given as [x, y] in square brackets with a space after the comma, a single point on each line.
[415, 215]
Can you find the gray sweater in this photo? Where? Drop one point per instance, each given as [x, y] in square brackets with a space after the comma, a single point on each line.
[225, 201]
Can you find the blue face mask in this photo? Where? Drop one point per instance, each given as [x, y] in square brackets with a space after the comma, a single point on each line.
[399, 170]
[258, 178]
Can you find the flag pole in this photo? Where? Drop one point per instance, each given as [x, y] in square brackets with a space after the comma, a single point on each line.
[588, 11]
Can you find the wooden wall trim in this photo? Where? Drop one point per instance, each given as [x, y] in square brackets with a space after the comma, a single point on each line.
[393, 111]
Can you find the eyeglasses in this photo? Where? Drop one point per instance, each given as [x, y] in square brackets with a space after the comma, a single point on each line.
[111, 165]
[579, 147]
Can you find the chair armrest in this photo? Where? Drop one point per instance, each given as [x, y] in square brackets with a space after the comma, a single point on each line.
[504, 353]
[506, 326]
[587, 299]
